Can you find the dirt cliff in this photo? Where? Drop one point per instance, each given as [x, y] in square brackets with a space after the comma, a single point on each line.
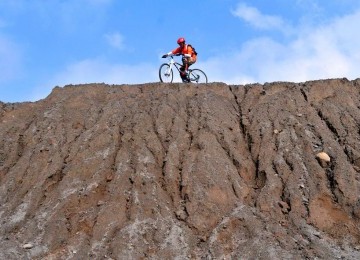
[183, 171]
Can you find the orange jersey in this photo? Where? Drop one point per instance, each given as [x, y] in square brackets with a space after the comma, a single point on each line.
[186, 50]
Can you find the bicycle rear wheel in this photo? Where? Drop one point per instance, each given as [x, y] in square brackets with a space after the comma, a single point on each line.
[165, 73]
[198, 76]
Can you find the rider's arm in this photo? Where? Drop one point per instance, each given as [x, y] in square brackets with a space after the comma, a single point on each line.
[167, 54]
[175, 51]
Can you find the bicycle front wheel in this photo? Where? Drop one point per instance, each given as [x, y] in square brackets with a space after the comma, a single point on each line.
[198, 76]
[165, 73]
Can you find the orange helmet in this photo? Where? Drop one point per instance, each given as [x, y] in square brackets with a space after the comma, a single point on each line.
[180, 40]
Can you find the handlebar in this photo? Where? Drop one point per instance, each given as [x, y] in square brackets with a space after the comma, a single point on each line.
[172, 55]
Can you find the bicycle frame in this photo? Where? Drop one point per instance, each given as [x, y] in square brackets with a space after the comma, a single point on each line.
[172, 63]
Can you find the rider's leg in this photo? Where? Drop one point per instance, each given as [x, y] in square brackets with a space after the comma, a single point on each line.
[186, 64]
[183, 72]
[184, 67]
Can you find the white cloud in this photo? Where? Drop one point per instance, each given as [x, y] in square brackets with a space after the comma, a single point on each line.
[115, 40]
[330, 50]
[98, 71]
[255, 18]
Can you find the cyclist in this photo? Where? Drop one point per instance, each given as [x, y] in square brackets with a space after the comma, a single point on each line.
[188, 59]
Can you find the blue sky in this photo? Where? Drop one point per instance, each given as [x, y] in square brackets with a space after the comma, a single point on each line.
[48, 43]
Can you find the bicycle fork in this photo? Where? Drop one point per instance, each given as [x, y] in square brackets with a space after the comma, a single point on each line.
[168, 71]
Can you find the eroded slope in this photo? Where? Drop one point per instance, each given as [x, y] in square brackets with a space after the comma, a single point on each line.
[182, 171]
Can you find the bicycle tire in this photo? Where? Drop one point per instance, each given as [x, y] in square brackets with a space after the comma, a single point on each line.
[198, 76]
[165, 75]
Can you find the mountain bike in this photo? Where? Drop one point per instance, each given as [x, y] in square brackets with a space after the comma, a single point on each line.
[166, 72]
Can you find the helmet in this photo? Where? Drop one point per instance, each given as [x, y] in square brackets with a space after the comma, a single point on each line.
[180, 40]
